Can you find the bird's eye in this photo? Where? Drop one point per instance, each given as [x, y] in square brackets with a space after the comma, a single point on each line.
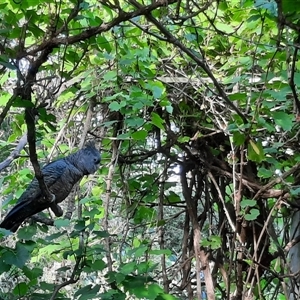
[97, 161]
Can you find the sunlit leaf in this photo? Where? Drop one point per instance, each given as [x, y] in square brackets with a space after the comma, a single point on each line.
[252, 215]
[157, 120]
[255, 151]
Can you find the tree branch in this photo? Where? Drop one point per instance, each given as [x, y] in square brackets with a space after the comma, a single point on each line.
[70, 40]
[15, 153]
[171, 39]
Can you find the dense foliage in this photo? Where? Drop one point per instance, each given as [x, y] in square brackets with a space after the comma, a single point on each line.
[194, 105]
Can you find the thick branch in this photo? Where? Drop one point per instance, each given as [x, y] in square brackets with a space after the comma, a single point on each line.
[69, 40]
[31, 136]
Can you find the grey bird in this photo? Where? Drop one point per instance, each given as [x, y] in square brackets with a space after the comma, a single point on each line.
[59, 176]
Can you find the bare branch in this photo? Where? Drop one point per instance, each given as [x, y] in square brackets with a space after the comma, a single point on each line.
[15, 153]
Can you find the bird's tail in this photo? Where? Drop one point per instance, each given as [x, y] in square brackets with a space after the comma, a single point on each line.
[18, 214]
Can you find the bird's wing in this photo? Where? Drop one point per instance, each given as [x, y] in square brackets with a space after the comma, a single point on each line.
[29, 203]
[52, 173]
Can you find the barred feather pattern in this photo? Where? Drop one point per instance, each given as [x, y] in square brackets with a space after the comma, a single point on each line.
[59, 176]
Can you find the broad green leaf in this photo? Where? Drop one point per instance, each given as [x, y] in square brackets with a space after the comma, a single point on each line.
[173, 197]
[183, 139]
[157, 120]
[265, 173]
[247, 202]
[4, 98]
[238, 138]
[156, 87]
[110, 75]
[140, 251]
[114, 106]
[214, 242]
[128, 268]
[150, 292]
[271, 6]
[18, 102]
[252, 215]
[135, 122]
[20, 289]
[98, 265]
[283, 119]
[61, 223]
[255, 151]
[26, 233]
[290, 7]
[225, 28]
[17, 256]
[139, 135]
[87, 292]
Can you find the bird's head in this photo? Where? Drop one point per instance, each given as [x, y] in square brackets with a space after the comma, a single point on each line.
[88, 159]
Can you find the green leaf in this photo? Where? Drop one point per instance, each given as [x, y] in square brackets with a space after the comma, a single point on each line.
[61, 223]
[87, 292]
[157, 121]
[271, 6]
[265, 173]
[18, 102]
[54, 236]
[26, 233]
[45, 117]
[183, 139]
[161, 251]
[156, 87]
[252, 215]
[255, 151]
[214, 242]
[139, 135]
[98, 265]
[114, 106]
[173, 197]
[149, 292]
[32, 273]
[20, 289]
[290, 7]
[167, 297]
[247, 202]
[4, 98]
[295, 191]
[283, 119]
[238, 138]
[17, 257]
[127, 268]
[124, 136]
[135, 122]
[110, 76]
[3, 266]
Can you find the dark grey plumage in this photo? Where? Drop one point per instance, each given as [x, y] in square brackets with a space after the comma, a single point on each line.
[60, 176]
